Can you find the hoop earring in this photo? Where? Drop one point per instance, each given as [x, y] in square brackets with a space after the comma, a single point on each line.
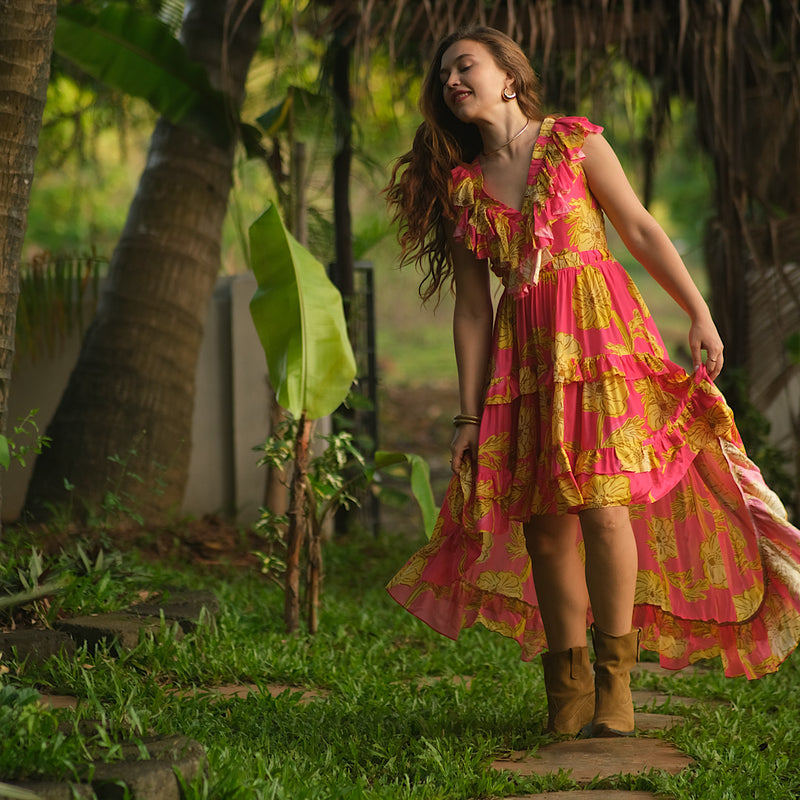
[507, 96]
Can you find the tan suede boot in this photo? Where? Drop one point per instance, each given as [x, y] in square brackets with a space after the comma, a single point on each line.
[569, 683]
[614, 659]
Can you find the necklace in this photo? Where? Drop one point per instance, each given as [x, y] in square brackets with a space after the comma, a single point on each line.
[506, 144]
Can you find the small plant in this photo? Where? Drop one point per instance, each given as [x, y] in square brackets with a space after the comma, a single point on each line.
[21, 581]
[120, 500]
[15, 448]
[40, 590]
[333, 479]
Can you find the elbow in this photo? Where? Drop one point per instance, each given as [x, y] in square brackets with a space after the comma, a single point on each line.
[641, 237]
[473, 314]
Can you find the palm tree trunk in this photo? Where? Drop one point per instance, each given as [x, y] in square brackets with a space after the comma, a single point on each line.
[26, 44]
[131, 395]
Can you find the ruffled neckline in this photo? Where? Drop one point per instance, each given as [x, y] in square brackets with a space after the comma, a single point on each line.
[535, 166]
[517, 242]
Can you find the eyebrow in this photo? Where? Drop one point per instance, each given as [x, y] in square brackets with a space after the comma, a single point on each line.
[443, 71]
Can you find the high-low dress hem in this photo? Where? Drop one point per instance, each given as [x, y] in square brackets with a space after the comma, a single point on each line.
[583, 409]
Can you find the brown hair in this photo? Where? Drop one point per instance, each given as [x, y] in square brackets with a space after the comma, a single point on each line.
[418, 190]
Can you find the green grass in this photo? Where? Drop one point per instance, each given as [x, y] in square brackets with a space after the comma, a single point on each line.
[376, 733]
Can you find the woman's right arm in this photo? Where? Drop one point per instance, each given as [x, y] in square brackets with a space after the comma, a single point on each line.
[472, 335]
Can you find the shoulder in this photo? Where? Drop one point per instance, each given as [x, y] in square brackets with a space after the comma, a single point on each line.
[465, 184]
[575, 126]
[464, 171]
[570, 134]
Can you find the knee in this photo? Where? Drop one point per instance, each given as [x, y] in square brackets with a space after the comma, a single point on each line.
[605, 524]
[542, 545]
[551, 538]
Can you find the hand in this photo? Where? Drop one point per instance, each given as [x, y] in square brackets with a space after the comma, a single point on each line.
[464, 445]
[703, 335]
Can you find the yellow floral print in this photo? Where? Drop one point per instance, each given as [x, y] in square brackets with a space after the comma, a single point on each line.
[492, 451]
[627, 441]
[505, 583]
[506, 333]
[660, 405]
[606, 490]
[662, 539]
[649, 589]
[747, 603]
[637, 298]
[567, 355]
[591, 300]
[689, 585]
[608, 395]
[585, 224]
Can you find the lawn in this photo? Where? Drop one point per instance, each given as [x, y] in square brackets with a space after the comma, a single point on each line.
[394, 718]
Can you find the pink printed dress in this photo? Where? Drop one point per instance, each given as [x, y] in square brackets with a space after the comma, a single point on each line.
[583, 409]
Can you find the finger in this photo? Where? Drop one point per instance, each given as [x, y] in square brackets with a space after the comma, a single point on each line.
[697, 359]
[714, 366]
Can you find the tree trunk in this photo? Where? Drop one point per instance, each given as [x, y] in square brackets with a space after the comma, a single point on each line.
[131, 395]
[26, 44]
[298, 524]
[340, 57]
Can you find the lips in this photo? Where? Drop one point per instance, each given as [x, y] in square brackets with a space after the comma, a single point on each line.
[459, 96]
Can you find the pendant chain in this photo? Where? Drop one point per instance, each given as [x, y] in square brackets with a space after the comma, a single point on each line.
[506, 144]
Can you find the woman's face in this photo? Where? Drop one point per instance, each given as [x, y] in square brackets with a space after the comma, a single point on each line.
[472, 81]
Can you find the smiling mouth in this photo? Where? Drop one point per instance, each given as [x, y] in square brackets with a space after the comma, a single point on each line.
[459, 96]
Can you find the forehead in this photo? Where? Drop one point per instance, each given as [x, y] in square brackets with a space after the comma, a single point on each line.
[461, 49]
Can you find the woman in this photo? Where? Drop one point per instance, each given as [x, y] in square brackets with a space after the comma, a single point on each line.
[594, 480]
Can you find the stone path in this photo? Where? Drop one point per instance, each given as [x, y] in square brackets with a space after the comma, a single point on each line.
[155, 779]
[586, 760]
[151, 779]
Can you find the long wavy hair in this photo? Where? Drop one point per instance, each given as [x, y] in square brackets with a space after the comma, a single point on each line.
[417, 193]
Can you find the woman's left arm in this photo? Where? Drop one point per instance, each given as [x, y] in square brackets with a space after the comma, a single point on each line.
[651, 247]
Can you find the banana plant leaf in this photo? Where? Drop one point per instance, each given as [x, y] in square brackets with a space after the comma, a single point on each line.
[299, 317]
[307, 109]
[138, 55]
[420, 482]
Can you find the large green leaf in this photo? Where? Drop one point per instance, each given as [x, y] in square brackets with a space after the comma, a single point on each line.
[138, 55]
[420, 482]
[300, 320]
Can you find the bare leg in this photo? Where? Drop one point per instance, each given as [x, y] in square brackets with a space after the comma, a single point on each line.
[558, 574]
[611, 566]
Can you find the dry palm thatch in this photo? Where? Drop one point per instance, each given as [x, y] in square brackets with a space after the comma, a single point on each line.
[738, 61]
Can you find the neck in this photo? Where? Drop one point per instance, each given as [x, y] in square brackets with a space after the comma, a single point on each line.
[513, 132]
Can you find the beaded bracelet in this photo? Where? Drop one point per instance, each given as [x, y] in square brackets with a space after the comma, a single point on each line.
[466, 419]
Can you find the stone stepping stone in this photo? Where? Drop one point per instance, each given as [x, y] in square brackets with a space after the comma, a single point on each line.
[647, 721]
[58, 701]
[653, 668]
[647, 699]
[456, 680]
[118, 626]
[153, 779]
[183, 606]
[35, 645]
[587, 759]
[243, 690]
[594, 794]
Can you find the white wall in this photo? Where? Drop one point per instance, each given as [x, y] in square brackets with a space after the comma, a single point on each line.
[231, 410]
